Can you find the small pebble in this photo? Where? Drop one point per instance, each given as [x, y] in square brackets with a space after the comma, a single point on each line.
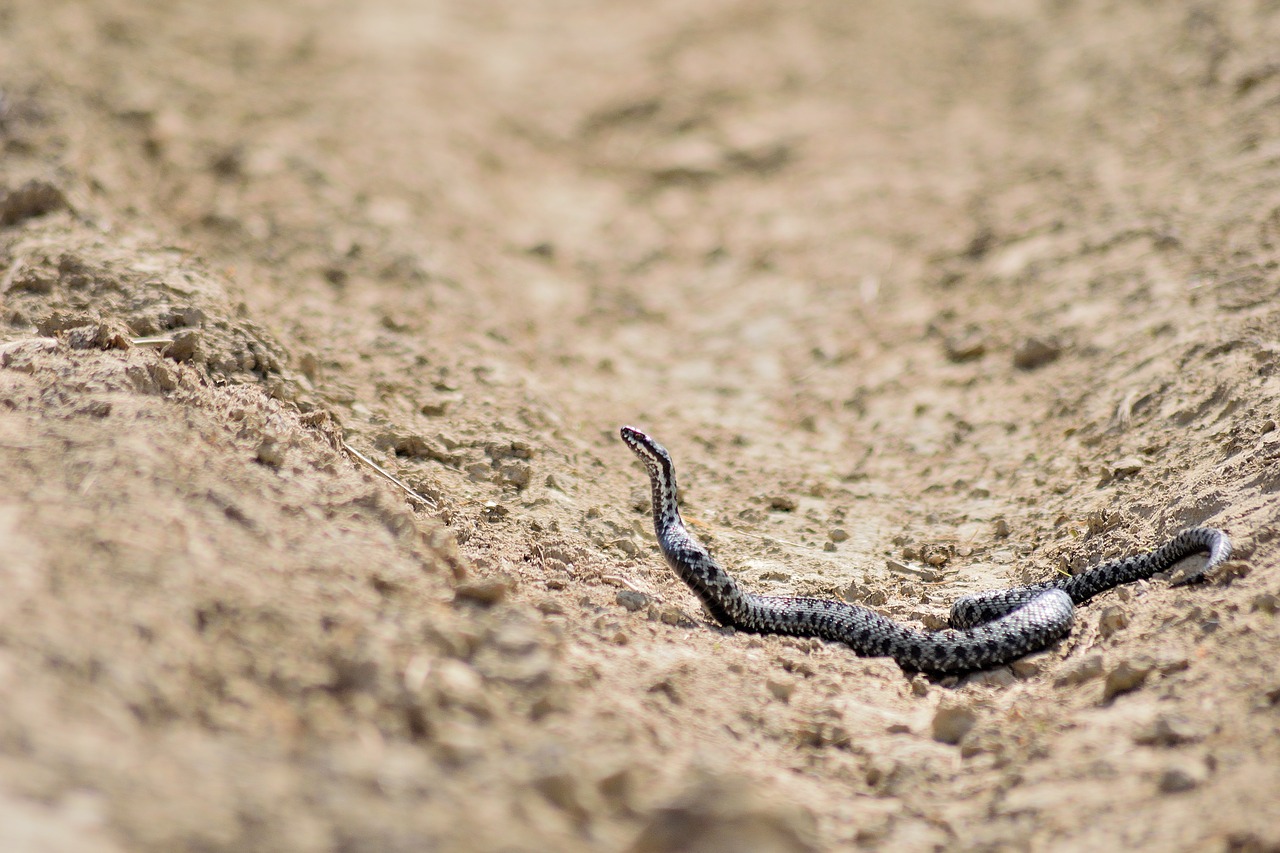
[186, 344]
[1127, 676]
[19, 353]
[1168, 730]
[1029, 666]
[902, 568]
[962, 348]
[619, 788]
[460, 685]
[431, 408]
[543, 249]
[1112, 620]
[493, 511]
[780, 689]
[550, 606]
[672, 615]
[875, 598]
[486, 591]
[30, 199]
[1001, 528]
[1182, 777]
[1081, 671]
[952, 722]
[1266, 602]
[838, 534]
[1169, 661]
[1036, 352]
[632, 600]
[561, 789]
[783, 503]
[271, 453]
[1126, 466]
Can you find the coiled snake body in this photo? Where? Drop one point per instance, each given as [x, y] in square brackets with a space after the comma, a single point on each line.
[988, 628]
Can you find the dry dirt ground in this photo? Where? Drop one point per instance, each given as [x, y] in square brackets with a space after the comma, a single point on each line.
[924, 298]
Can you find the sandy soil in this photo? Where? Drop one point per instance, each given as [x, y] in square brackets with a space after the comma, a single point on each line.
[924, 298]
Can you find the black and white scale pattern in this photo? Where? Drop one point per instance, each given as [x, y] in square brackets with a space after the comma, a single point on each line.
[988, 628]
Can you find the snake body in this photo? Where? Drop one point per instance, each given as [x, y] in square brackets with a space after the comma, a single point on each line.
[988, 628]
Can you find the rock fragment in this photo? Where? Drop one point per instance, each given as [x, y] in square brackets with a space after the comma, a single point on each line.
[1168, 729]
[632, 600]
[1266, 602]
[32, 199]
[484, 591]
[459, 685]
[952, 721]
[271, 453]
[1126, 466]
[1112, 620]
[781, 689]
[1036, 352]
[19, 354]
[1029, 665]
[964, 347]
[1085, 669]
[1127, 676]
[1183, 776]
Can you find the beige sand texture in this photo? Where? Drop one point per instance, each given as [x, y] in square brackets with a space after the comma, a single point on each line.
[925, 298]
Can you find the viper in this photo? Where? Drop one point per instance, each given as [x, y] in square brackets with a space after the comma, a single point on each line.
[988, 629]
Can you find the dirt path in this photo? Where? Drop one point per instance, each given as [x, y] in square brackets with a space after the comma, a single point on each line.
[922, 301]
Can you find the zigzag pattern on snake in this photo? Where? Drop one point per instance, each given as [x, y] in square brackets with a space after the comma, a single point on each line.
[988, 628]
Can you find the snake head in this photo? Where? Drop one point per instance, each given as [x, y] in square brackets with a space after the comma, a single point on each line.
[654, 455]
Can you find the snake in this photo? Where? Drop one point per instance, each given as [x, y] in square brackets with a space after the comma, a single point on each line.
[988, 629]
